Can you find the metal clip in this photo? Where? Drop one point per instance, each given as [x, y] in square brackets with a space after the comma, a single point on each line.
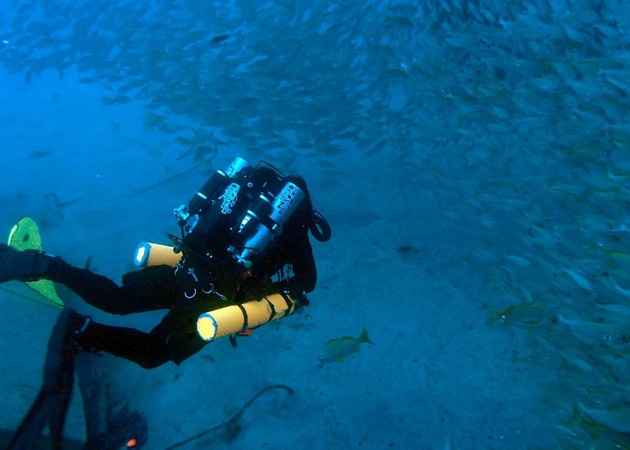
[211, 290]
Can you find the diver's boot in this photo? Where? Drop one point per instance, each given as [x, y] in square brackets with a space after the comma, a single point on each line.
[27, 265]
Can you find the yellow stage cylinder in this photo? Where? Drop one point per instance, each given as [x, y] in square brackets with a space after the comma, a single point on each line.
[151, 254]
[232, 319]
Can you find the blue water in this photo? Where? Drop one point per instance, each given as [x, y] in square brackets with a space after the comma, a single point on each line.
[471, 157]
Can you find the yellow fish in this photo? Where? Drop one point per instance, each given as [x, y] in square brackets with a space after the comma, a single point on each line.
[340, 348]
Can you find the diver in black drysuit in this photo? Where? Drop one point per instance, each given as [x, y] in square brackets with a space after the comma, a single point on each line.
[288, 266]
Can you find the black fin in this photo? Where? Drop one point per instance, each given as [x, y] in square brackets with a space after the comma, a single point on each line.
[51, 405]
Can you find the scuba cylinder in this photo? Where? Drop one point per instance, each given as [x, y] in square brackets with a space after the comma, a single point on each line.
[235, 318]
[264, 221]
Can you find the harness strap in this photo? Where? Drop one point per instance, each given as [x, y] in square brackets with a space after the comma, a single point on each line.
[245, 317]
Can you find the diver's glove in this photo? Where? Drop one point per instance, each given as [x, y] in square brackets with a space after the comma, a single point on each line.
[27, 265]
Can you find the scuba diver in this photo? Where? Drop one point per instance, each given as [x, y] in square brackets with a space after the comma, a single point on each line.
[243, 258]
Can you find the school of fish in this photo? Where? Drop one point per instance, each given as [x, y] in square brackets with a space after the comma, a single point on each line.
[515, 115]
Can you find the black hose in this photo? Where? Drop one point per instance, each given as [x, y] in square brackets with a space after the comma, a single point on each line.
[232, 424]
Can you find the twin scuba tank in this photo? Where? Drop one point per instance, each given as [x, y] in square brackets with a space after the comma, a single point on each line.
[237, 214]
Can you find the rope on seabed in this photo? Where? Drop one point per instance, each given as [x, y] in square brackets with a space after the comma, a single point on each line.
[232, 424]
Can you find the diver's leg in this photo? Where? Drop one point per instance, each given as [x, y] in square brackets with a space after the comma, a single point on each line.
[148, 289]
[24, 265]
[178, 330]
[145, 349]
[174, 339]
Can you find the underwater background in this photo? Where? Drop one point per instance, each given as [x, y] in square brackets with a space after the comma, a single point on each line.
[472, 158]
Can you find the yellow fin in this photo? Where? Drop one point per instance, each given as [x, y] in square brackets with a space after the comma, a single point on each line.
[25, 236]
